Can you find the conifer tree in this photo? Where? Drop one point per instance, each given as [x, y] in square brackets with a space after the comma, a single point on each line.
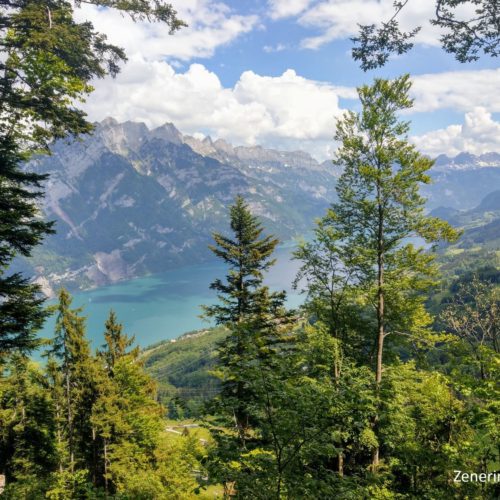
[21, 228]
[116, 344]
[248, 255]
[126, 416]
[243, 298]
[71, 349]
[250, 358]
[27, 436]
[106, 414]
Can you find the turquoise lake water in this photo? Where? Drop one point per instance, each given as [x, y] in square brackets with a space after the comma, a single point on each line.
[167, 305]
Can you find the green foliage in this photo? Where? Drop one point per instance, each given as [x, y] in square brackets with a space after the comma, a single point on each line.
[465, 38]
[248, 257]
[27, 427]
[21, 229]
[49, 60]
[183, 371]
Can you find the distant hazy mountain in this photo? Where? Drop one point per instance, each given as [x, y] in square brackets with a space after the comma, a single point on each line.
[467, 161]
[129, 201]
[481, 224]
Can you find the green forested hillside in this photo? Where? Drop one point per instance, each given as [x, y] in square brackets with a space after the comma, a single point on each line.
[182, 368]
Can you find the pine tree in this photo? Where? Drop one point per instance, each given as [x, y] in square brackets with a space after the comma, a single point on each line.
[380, 208]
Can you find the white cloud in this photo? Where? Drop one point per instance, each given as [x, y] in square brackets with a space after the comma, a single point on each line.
[287, 111]
[286, 8]
[211, 25]
[274, 48]
[479, 134]
[458, 90]
[338, 19]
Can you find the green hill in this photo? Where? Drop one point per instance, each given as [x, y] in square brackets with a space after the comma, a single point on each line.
[182, 369]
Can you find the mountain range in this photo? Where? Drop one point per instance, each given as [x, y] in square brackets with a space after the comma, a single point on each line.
[129, 201]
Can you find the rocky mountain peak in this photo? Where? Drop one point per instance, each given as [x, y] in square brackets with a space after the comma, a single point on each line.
[466, 161]
[225, 147]
[121, 138]
[167, 132]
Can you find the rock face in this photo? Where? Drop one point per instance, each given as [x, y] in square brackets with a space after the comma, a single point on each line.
[129, 201]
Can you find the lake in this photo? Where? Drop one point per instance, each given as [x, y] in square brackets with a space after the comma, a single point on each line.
[166, 305]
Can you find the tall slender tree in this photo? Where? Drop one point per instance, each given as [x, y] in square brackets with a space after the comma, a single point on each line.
[241, 296]
[72, 350]
[380, 209]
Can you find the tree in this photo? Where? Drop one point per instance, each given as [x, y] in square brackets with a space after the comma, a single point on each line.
[242, 298]
[473, 317]
[48, 61]
[379, 209]
[249, 358]
[472, 357]
[463, 37]
[116, 344]
[72, 350]
[28, 449]
[133, 453]
[21, 228]
[329, 282]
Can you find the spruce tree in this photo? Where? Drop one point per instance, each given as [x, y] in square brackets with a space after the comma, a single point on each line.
[106, 412]
[21, 229]
[125, 415]
[72, 350]
[248, 256]
[250, 359]
[116, 344]
[242, 297]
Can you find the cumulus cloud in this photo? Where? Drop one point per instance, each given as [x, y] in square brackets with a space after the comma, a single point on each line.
[338, 19]
[287, 111]
[478, 134]
[459, 90]
[286, 8]
[211, 25]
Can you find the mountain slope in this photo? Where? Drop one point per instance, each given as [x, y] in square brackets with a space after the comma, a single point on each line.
[129, 201]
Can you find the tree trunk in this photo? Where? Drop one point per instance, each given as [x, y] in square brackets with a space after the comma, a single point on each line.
[106, 467]
[380, 318]
[70, 422]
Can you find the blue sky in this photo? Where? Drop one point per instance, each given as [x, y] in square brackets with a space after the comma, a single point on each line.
[279, 73]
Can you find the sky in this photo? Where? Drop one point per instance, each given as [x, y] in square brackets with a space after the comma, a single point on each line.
[279, 73]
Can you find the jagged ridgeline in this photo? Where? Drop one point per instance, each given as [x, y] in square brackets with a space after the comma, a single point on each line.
[130, 201]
